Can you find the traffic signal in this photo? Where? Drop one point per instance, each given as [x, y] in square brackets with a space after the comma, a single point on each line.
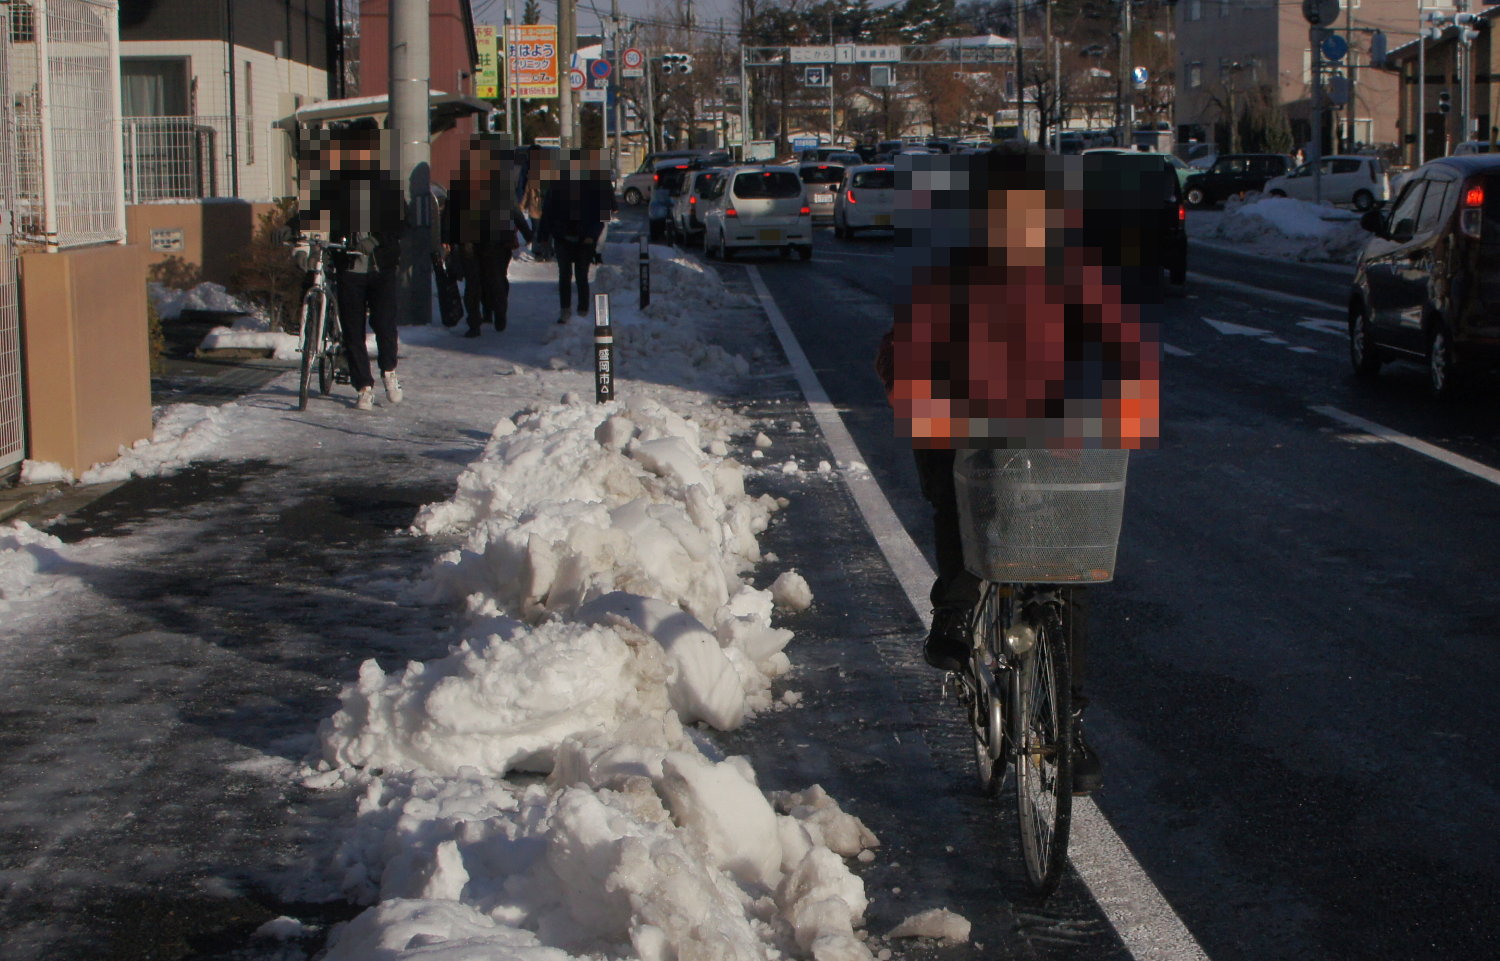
[677, 63]
[1445, 101]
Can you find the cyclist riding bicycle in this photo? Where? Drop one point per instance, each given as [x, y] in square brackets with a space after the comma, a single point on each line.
[1020, 329]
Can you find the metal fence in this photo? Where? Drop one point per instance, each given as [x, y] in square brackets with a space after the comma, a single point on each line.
[65, 107]
[189, 158]
[12, 411]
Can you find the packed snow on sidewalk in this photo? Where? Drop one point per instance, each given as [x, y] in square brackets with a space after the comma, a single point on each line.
[551, 789]
[1283, 227]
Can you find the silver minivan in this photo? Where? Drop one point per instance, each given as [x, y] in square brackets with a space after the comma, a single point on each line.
[759, 206]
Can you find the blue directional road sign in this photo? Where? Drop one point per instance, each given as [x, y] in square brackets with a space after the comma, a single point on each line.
[1139, 76]
[1334, 47]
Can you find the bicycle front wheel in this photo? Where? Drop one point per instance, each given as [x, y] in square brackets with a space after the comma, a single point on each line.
[333, 348]
[313, 310]
[1042, 735]
[987, 712]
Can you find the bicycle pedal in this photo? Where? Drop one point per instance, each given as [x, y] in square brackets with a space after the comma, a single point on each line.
[340, 377]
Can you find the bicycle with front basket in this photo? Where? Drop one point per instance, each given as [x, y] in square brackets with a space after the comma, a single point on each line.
[1037, 524]
[320, 334]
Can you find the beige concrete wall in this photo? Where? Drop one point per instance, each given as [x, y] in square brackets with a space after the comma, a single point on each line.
[212, 234]
[86, 355]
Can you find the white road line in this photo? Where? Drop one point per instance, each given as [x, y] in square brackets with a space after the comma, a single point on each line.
[1336, 328]
[1303, 350]
[825, 252]
[1175, 351]
[1145, 922]
[1238, 287]
[1468, 466]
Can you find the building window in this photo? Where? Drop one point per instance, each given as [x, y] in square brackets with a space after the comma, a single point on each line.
[1195, 9]
[22, 24]
[1195, 75]
[154, 87]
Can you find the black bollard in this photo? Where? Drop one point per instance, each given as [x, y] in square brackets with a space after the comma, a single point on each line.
[645, 274]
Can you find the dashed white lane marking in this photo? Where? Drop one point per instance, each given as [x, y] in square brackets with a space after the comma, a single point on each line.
[1322, 325]
[1303, 350]
[1145, 922]
[1468, 466]
[1172, 351]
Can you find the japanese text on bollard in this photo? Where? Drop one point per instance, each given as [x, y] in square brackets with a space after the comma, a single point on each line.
[604, 352]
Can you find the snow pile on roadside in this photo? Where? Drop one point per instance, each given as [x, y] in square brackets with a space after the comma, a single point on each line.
[663, 342]
[171, 302]
[185, 433]
[601, 559]
[30, 562]
[253, 333]
[1296, 229]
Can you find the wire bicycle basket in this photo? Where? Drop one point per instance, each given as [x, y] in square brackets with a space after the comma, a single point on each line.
[1041, 516]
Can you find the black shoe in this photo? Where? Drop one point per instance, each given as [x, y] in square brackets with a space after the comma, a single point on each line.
[583, 311]
[947, 646]
[1088, 771]
[472, 332]
[499, 324]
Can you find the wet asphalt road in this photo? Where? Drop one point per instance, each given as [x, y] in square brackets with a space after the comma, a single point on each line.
[1293, 671]
[1292, 683]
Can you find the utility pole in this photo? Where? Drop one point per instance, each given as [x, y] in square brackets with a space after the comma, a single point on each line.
[411, 143]
[1126, 84]
[1465, 122]
[614, 80]
[567, 42]
[1421, 111]
[1047, 48]
[1020, 69]
[650, 104]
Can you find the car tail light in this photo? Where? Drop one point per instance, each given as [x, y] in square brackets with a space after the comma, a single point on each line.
[1471, 218]
[731, 212]
[804, 212]
[656, 178]
[851, 197]
[1182, 213]
[692, 200]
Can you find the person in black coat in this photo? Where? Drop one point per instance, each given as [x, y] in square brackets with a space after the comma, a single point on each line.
[480, 223]
[575, 209]
[348, 195]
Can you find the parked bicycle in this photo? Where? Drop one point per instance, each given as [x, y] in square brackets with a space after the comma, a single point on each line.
[319, 333]
[1036, 524]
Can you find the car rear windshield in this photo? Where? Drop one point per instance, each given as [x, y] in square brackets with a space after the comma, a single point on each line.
[822, 174]
[767, 185]
[875, 179]
[670, 178]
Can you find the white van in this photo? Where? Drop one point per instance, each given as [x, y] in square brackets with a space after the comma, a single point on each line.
[758, 206]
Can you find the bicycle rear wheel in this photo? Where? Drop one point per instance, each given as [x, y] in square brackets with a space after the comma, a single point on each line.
[313, 311]
[1042, 732]
[333, 348]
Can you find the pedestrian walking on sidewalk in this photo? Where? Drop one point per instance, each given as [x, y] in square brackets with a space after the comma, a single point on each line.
[349, 196]
[480, 225]
[575, 210]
